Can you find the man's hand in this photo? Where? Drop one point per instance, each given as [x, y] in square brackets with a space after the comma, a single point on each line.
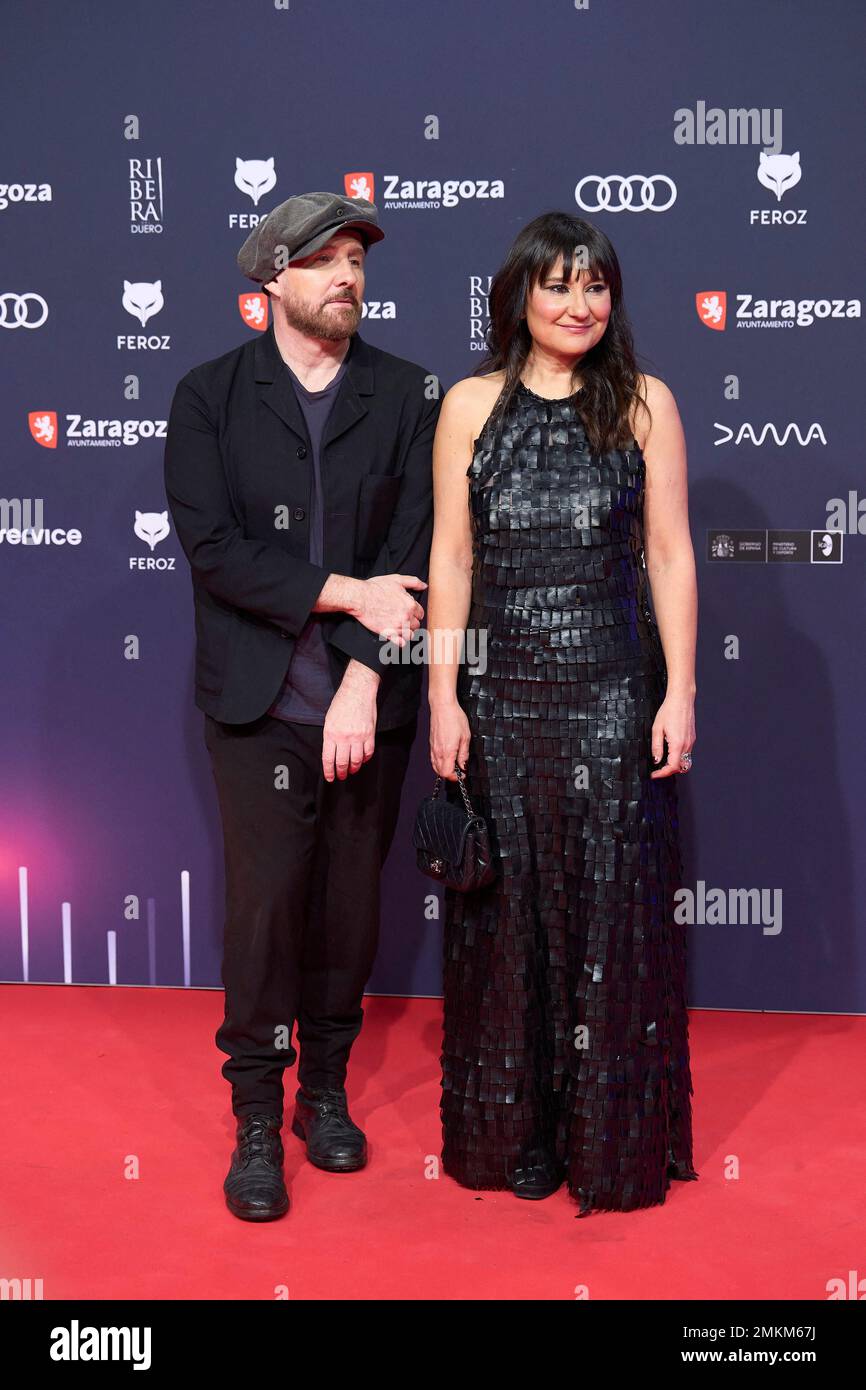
[384, 605]
[349, 735]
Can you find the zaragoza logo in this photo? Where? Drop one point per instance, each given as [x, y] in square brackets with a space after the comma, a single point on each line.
[360, 186]
[712, 307]
[43, 427]
[254, 309]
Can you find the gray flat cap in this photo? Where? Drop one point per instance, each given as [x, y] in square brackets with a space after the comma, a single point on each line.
[300, 226]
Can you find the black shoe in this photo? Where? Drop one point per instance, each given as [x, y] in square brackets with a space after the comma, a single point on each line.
[540, 1177]
[254, 1187]
[333, 1141]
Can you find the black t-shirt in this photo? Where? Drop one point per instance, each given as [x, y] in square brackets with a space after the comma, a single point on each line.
[308, 688]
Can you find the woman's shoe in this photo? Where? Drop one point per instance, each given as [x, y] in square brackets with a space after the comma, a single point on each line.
[537, 1180]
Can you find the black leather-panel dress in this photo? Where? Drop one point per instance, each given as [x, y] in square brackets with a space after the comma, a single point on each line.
[565, 1027]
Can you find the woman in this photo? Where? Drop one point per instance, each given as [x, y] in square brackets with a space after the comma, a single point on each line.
[565, 1052]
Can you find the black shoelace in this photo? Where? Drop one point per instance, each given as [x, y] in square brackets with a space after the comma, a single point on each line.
[256, 1140]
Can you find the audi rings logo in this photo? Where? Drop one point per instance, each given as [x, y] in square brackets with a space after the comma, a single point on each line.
[22, 310]
[619, 192]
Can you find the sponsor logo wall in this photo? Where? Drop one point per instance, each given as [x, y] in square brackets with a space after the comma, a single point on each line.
[125, 193]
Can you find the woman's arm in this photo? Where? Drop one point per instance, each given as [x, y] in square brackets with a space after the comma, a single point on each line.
[670, 563]
[450, 575]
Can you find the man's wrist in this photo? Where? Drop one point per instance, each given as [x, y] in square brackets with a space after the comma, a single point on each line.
[340, 594]
[360, 676]
[355, 598]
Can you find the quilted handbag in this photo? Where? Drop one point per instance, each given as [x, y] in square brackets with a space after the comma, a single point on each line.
[452, 842]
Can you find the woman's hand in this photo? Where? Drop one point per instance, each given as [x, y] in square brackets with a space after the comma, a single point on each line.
[675, 721]
[449, 739]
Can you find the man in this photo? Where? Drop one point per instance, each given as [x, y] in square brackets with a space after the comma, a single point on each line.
[298, 472]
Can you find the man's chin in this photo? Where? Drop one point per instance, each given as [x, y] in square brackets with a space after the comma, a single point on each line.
[340, 325]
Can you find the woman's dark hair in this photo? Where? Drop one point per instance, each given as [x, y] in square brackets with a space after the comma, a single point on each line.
[611, 381]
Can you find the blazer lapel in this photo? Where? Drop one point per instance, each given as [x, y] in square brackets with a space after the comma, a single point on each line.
[279, 393]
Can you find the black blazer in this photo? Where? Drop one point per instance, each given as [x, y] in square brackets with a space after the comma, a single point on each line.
[237, 450]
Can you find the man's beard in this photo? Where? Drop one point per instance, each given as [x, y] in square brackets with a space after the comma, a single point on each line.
[332, 324]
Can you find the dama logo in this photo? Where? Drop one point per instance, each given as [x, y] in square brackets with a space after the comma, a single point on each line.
[254, 310]
[712, 307]
[43, 427]
[360, 186]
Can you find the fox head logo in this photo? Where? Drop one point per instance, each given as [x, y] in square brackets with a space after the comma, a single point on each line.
[254, 310]
[43, 427]
[151, 527]
[142, 299]
[779, 172]
[712, 307]
[255, 177]
[359, 186]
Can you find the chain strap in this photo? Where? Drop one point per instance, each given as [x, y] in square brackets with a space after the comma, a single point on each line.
[461, 779]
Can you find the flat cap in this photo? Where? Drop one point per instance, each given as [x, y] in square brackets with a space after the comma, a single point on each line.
[300, 226]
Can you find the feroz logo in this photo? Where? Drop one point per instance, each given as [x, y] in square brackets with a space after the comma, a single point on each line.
[255, 177]
[779, 172]
[360, 186]
[43, 427]
[650, 189]
[712, 307]
[254, 310]
[22, 310]
[142, 299]
[151, 527]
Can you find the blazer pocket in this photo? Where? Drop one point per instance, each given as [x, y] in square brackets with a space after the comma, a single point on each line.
[377, 498]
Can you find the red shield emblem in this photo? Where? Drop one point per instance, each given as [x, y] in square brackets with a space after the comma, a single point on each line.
[43, 427]
[712, 307]
[253, 306]
[360, 186]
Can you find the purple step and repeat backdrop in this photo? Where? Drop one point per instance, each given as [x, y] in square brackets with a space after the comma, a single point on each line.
[719, 145]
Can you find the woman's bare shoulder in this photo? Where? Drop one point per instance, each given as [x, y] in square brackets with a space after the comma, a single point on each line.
[471, 389]
[659, 399]
[470, 400]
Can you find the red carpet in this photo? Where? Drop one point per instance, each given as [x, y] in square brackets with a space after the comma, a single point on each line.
[99, 1080]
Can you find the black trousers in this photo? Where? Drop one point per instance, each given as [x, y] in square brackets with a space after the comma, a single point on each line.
[303, 859]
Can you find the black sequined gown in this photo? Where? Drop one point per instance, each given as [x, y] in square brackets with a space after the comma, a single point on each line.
[565, 1025]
